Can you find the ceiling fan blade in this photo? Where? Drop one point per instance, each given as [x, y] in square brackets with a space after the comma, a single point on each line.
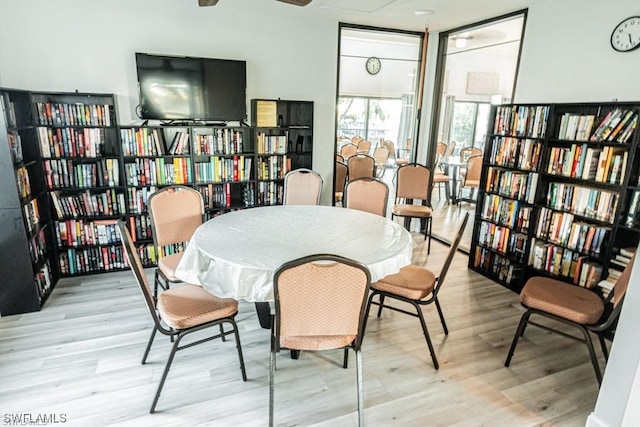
[207, 2]
[297, 2]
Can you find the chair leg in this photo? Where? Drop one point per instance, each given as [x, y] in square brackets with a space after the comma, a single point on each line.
[592, 354]
[381, 304]
[523, 323]
[222, 336]
[272, 373]
[146, 351]
[425, 331]
[360, 391]
[345, 361]
[174, 348]
[430, 224]
[238, 347]
[605, 350]
[444, 324]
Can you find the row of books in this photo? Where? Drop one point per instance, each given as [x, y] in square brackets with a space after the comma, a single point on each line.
[31, 213]
[220, 196]
[85, 204]
[138, 198]
[606, 164]
[558, 261]
[142, 142]
[179, 144]
[44, 279]
[22, 179]
[498, 265]
[506, 211]
[589, 202]
[38, 247]
[159, 171]
[77, 232]
[513, 184]
[83, 261]
[71, 142]
[148, 255]
[78, 114]
[269, 193]
[576, 127]
[222, 169]
[516, 153]
[502, 239]
[140, 227]
[632, 218]
[618, 125]
[271, 144]
[15, 145]
[560, 228]
[272, 167]
[224, 142]
[521, 120]
[66, 174]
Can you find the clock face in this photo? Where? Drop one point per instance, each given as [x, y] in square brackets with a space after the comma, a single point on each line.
[373, 65]
[626, 36]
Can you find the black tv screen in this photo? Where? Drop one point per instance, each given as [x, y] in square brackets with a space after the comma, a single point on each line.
[185, 88]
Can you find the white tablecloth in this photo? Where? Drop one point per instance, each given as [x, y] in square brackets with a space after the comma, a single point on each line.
[236, 254]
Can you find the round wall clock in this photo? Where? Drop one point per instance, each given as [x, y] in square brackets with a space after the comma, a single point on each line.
[626, 35]
[373, 65]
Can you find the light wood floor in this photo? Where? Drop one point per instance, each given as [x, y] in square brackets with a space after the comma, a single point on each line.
[80, 357]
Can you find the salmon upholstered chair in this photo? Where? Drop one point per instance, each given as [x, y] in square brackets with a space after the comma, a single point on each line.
[361, 166]
[417, 286]
[319, 305]
[180, 311]
[381, 156]
[348, 150]
[471, 178]
[572, 305]
[368, 195]
[175, 212]
[413, 183]
[302, 187]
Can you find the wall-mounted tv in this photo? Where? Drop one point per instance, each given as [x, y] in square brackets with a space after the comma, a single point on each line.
[186, 88]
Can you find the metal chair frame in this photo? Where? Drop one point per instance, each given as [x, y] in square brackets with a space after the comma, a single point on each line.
[433, 299]
[178, 334]
[355, 345]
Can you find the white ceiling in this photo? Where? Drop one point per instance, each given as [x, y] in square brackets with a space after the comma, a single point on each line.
[400, 14]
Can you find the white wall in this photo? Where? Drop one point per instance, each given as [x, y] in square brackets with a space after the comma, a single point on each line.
[567, 57]
[65, 45]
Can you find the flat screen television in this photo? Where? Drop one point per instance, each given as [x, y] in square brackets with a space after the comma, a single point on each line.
[186, 88]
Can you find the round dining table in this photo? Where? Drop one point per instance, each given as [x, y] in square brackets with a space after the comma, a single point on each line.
[235, 255]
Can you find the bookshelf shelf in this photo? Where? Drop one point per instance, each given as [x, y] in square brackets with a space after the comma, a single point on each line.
[573, 167]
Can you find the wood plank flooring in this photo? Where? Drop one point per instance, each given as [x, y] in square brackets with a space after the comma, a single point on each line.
[80, 357]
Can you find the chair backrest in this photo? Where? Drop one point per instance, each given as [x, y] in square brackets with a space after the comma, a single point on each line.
[474, 169]
[451, 254]
[391, 147]
[620, 288]
[321, 296]
[132, 257]
[175, 212]
[356, 139]
[467, 152]
[364, 146]
[302, 187]
[361, 166]
[441, 149]
[450, 148]
[413, 181]
[381, 155]
[340, 177]
[368, 195]
[348, 150]
[339, 158]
